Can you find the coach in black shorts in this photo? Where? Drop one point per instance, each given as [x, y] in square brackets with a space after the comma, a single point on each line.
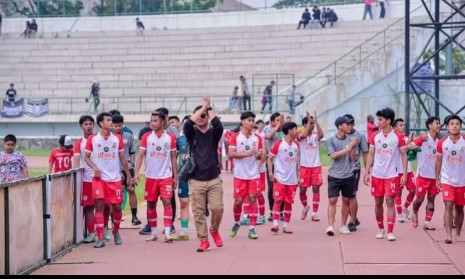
[342, 150]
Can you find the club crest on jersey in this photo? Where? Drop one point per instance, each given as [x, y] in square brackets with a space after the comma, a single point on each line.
[114, 145]
[167, 145]
[106, 149]
[385, 145]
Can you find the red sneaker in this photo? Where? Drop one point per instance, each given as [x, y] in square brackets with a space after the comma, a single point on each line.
[204, 246]
[287, 231]
[216, 238]
[275, 229]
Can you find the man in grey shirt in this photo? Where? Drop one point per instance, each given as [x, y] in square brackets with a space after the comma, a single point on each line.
[361, 149]
[342, 150]
[129, 155]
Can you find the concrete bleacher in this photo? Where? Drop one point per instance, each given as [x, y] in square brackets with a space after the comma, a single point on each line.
[171, 63]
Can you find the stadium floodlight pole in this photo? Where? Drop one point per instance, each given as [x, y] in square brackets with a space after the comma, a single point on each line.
[407, 67]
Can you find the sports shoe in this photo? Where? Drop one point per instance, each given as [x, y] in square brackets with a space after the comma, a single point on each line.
[117, 238]
[330, 231]
[99, 244]
[234, 230]
[287, 231]
[261, 220]
[428, 227]
[245, 221]
[275, 229]
[407, 214]
[136, 222]
[357, 222]
[270, 219]
[401, 218]
[391, 237]
[169, 238]
[204, 246]
[344, 230]
[216, 238]
[380, 234]
[89, 239]
[183, 237]
[152, 237]
[252, 234]
[305, 211]
[172, 230]
[145, 230]
[315, 218]
[352, 227]
[106, 235]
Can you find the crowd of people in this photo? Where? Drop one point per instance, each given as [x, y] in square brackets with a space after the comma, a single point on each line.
[270, 162]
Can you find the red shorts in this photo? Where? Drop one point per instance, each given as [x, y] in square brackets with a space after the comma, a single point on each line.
[426, 185]
[262, 182]
[381, 187]
[453, 194]
[243, 187]
[111, 192]
[86, 195]
[310, 177]
[158, 187]
[284, 193]
[410, 183]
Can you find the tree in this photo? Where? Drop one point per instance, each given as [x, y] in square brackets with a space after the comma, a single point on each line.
[42, 8]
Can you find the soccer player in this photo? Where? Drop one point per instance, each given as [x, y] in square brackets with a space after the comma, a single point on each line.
[158, 149]
[284, 156]
[402, 212]
[183, 186]
[386, 148]
[342, 151]
[129, 155]
[61, 158]
[86, 122]
[361, 150]
[449, 168]
[246, 149]
[310, 165]
[426, 182]
[104, 153]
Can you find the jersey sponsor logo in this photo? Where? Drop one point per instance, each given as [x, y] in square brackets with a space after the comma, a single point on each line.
[106, 156]
[158, 148]
[454, 159]
[388, 152]
[106, 149]
[385, 145]
[247, 147]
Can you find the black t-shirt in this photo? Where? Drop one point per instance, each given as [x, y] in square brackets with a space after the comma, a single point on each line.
[11, 95]
[0, 18]
[140, 24]
[205, 150]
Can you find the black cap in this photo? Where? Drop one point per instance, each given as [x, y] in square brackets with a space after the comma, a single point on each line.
[341, 120]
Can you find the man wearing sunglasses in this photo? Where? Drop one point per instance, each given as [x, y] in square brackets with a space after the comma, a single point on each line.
[205, 185]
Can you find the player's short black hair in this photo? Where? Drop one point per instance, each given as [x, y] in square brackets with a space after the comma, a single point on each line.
[85, 118]
[102, 116]
[287, 127]
[397, 121]
[305, 120]
[259, 121]
[117, 119]
[431, 120]
[197, 108]
[274, 116]
[114, 111]
[388, 114]
[163, 110]
[247, 114]
[451, 117]
[174, 117]
[159, 114]
[10, 137]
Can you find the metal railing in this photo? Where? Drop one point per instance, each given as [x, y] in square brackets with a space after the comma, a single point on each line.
[354, 58]
[67, 8]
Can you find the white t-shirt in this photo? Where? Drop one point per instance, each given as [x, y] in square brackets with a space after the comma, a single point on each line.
[158, 154]
[387, 153]
[246, 168]
[285, 162]
[105, 155]
[453, 161]
[427, 157]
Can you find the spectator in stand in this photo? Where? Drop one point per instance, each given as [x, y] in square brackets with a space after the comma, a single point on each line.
[11, 93]
[33, 29]
[139, 27]
[13, 165]
[27, 31]
[144, 130]
[324, 17]
[382, 3]
[95, 94]
[332, 17]
[368, 4]
[316, 16]
[0, 24]
[245, 93]
[267, 97]
[233, 100]
[290, 98]
[305, 19]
